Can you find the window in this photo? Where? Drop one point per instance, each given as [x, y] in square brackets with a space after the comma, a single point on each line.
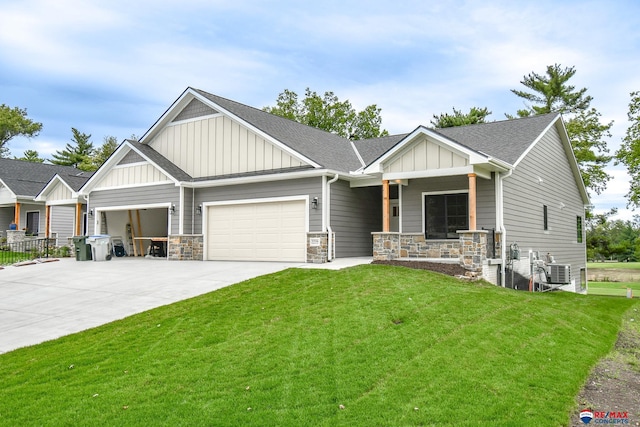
[445, 214]
[545, 221]
[579, 228]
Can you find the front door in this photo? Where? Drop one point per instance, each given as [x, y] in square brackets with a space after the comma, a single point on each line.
[33, 223]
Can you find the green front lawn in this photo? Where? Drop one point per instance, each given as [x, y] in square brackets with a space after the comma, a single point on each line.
[367, 346]
[623, 265]
[614, 288]
[8, 257]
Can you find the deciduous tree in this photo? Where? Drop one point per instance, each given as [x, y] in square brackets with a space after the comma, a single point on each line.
[14, 122]
[327, 112]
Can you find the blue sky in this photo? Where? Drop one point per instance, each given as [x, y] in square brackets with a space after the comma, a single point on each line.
[113, 67]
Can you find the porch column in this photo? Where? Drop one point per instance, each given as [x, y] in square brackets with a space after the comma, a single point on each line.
[472, 201]
[78, 219]
[16, 217]
[385, 206]
[47, 221]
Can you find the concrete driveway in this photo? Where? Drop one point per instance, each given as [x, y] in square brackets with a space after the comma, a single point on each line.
[48, 300]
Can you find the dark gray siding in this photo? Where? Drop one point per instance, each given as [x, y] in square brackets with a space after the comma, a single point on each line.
[62, 222]
[544, 178]
[355, 214]
[144, 195]
[412, 200]
[296, 187]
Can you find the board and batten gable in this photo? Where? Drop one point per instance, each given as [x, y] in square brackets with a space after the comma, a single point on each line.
[217, 145]
[59, 193]
[355, 214]
[424, 154]
[311, 187]
[544, 178]
[132, 174]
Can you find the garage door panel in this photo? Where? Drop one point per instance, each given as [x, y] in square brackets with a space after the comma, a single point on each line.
[270, 231]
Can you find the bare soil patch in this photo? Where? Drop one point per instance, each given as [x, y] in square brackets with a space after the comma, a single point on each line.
[614, 384]
[451, 269]
[613, 275]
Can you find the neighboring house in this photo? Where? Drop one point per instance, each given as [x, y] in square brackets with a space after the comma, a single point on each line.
[224, 181]
[22, 203]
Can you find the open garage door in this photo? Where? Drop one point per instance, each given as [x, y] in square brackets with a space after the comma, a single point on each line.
[263, 231]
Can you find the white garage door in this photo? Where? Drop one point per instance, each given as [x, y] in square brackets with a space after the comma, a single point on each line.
[269, 231]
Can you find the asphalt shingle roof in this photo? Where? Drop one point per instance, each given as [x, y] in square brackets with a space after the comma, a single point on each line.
[506, 140]
[161, 161]
[28, 178]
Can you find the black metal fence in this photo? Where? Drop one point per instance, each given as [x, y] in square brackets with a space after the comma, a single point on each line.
[11, 253]
[491, 242]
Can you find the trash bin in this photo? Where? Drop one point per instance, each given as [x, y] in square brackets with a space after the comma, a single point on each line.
[83, 250]
[100, 247]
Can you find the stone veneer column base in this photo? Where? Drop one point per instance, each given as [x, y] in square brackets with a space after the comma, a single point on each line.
[16, 236]
[317, 247]
[185, 247]
[473, 251]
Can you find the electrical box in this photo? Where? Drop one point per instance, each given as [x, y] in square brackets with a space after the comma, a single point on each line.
[560, 274]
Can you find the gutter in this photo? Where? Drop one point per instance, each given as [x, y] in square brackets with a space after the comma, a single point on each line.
[327, 204]
[500, 223]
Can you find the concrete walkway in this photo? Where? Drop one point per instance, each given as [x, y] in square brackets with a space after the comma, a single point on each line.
[48, 300]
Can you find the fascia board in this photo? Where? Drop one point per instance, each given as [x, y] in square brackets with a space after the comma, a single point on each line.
[256, 130]
[41, 197]
[113, 161]
[262, 178]
[8, 189]
[169, 113]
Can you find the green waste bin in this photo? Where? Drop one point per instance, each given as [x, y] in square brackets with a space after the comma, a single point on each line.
[83, 249]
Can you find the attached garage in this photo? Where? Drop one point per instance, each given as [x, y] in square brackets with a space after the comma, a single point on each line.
[257, 231]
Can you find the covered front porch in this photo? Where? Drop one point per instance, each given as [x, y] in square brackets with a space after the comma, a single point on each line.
[441, 202]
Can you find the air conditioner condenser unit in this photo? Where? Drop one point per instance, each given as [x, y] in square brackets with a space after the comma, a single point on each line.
[560, 274]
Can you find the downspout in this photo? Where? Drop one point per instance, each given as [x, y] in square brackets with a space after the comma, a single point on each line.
[500, 223]
[193, 210]
[327, 204]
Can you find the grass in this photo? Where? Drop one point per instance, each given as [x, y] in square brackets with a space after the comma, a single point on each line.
[9, 257]
[622, 265]
[618, 289]
[393, 346]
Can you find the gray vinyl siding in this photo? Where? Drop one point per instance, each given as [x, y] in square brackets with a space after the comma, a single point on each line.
[355, 214]
[6, 218]
[26, 208]
[62, 222]
[412, 201]
[136, 196]
[544, 178]
[189, 211]
[311, 187]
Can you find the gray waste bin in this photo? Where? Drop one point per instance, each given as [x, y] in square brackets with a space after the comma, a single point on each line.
[83, 250]
[100, 247]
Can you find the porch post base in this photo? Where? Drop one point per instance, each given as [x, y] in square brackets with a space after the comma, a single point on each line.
[185, 247]
[473, 251]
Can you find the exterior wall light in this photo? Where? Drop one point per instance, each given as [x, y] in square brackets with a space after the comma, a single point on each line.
[314, 203]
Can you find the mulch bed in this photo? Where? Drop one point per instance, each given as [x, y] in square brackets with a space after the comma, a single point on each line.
[444, 268]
